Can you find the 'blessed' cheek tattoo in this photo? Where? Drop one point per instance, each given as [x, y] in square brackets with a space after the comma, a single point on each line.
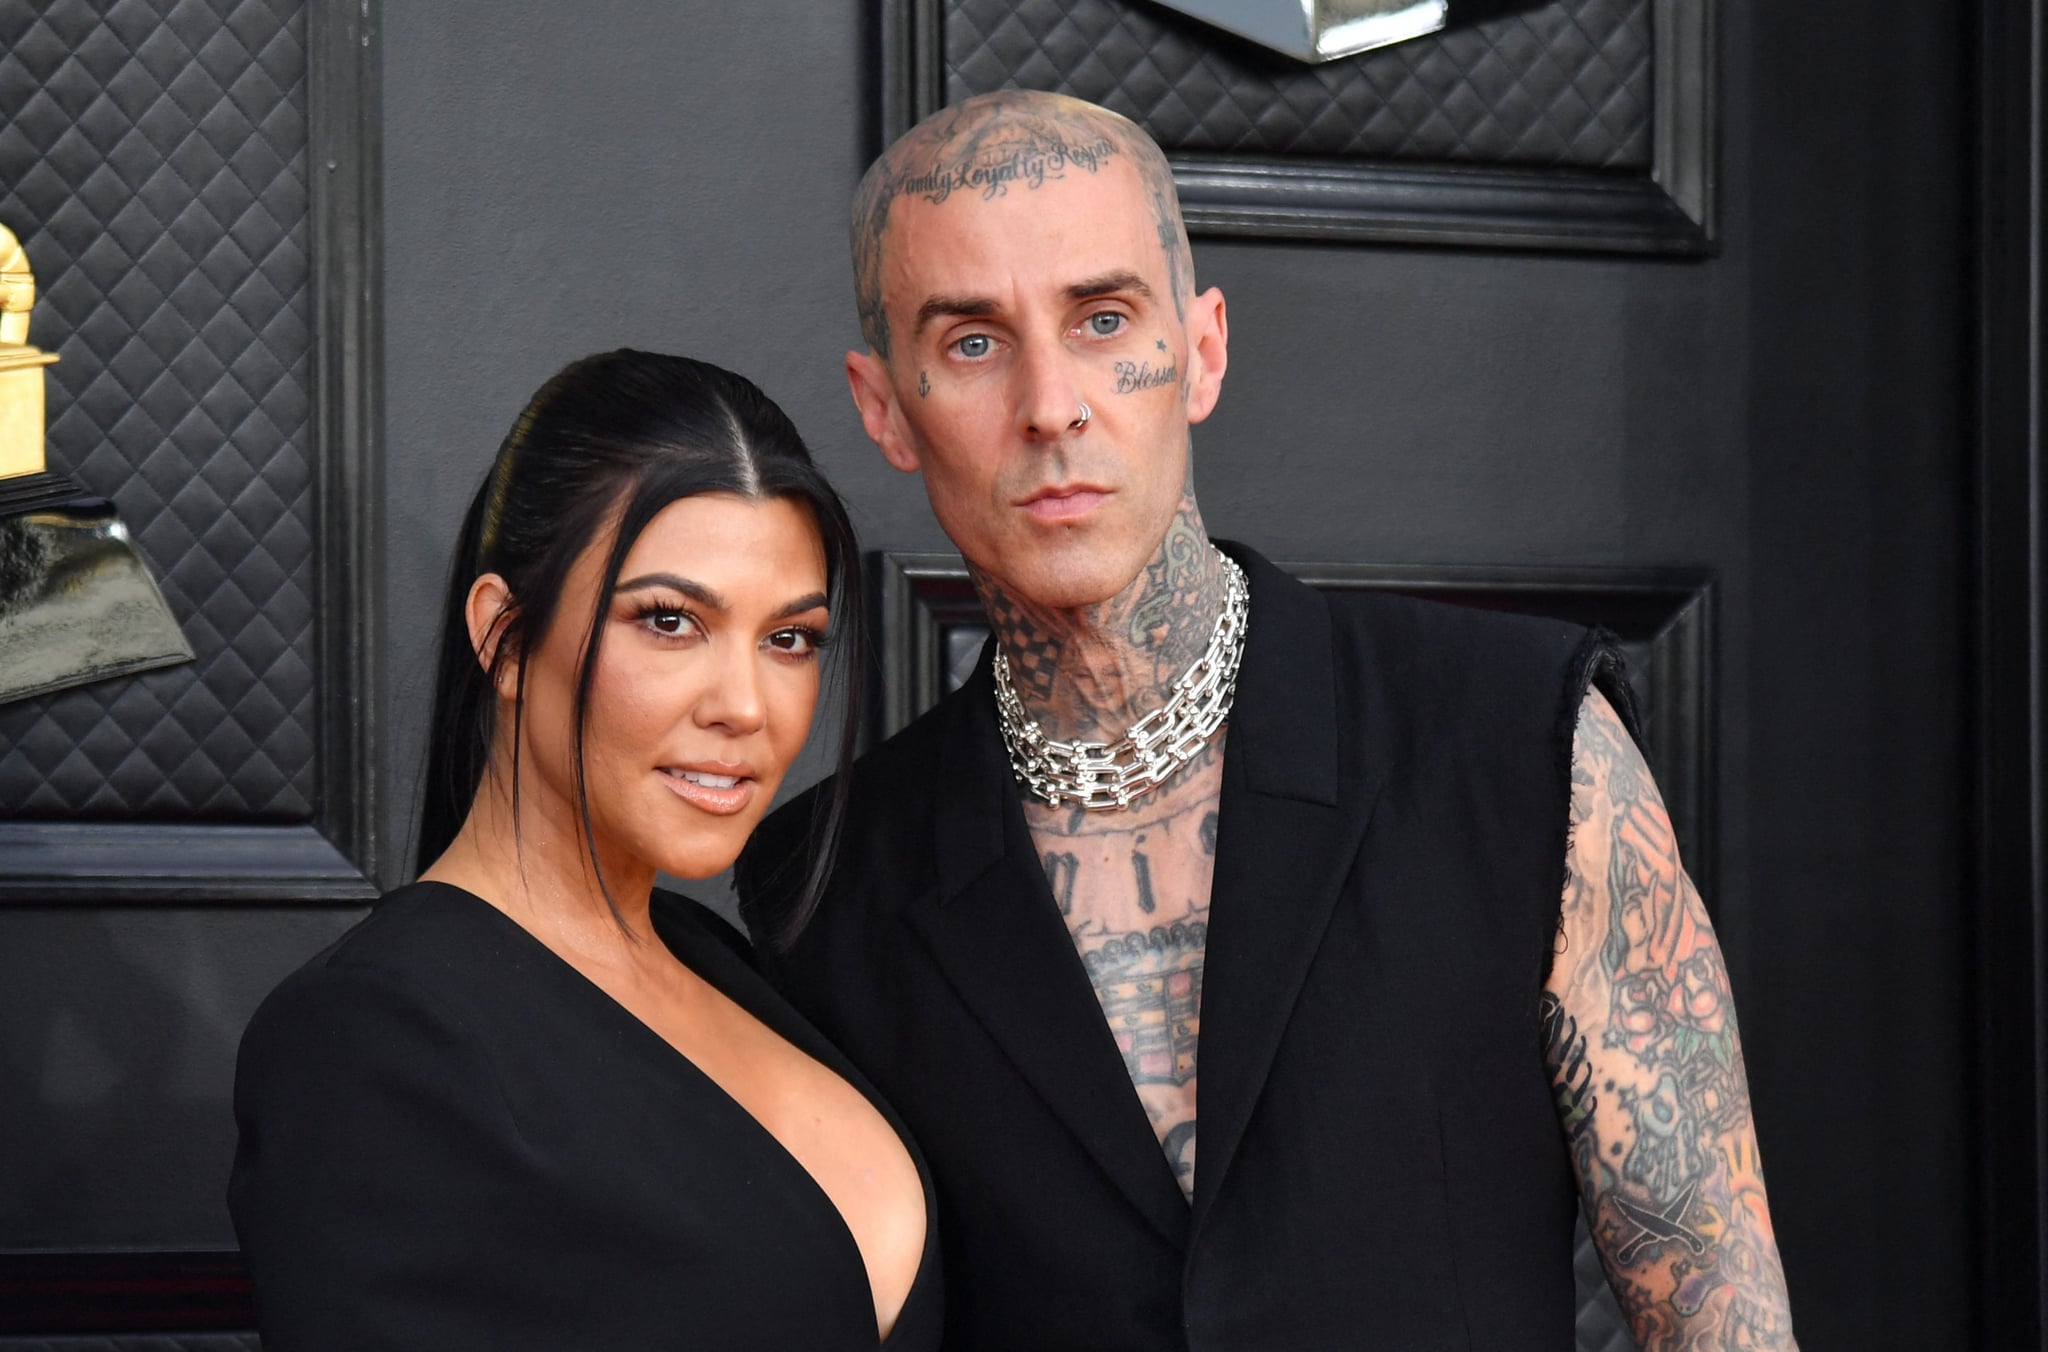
[1133, 376]
[924, 384]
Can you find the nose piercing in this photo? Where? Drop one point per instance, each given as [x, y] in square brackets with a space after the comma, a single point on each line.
[1082, 421]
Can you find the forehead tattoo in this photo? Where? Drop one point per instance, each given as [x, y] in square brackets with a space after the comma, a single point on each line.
[990, 146]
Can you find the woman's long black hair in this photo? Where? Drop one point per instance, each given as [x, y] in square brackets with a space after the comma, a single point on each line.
[618, 436]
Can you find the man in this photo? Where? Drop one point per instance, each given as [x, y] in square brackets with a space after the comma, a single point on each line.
[1316, 909]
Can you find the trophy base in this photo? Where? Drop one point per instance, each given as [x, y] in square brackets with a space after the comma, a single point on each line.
[77, 603]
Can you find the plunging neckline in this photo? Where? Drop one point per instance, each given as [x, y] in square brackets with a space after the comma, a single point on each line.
[794, 1031]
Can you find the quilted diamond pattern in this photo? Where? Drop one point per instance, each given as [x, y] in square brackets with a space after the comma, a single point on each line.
[1601, 1327]
[152, 160]
[1563, 85]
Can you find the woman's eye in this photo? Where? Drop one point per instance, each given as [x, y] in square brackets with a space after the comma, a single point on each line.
[1106, 324]
[975, 346]
[798, 642]
[671, 623]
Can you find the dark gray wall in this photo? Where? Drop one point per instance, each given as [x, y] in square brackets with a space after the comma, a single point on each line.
[117, 1042]
[564, 178]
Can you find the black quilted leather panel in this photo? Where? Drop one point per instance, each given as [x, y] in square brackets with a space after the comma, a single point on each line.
[152, 160]
[1563, 85]
[139, 1342]
[1600, 1323]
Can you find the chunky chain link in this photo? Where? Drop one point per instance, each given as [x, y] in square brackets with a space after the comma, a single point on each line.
[1103, 775]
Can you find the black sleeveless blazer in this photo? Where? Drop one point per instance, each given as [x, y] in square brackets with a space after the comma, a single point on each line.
[1379, 1162]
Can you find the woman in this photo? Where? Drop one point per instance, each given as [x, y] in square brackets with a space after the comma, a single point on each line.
[530, 1102]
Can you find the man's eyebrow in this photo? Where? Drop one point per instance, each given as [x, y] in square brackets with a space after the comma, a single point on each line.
[969, 307]
[952, 307]
[1109, 283]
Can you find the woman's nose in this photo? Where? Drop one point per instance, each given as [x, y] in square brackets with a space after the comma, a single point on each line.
[732, 700]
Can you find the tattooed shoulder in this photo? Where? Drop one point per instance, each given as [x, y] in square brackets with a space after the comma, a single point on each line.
[1638, 1033]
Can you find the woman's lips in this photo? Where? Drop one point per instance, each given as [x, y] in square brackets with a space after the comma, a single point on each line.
[1065, 504]
[720, 795]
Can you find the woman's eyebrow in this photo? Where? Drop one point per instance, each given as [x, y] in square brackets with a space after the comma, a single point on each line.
[814, 601]
[696, 591]
[711, 600]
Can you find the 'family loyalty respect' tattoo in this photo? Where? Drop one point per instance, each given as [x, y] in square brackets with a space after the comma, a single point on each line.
[1028, 160]
[978, 151]
[1132, 376]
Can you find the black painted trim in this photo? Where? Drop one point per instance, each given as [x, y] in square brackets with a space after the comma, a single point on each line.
[344, 157]
[917, 597]
[1668, 610]
[335, 858]
[119, 863]
[1670, 211]
[128, 1292]
[2011, 628]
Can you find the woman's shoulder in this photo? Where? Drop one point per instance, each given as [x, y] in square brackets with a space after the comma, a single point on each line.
[424, 950]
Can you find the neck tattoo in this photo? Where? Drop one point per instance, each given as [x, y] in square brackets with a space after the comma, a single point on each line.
[1099, 776]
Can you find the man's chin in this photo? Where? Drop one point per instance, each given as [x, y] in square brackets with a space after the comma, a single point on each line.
[1070, 576]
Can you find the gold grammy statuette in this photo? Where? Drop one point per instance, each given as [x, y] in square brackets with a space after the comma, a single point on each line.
[77, 603]
[21, 365]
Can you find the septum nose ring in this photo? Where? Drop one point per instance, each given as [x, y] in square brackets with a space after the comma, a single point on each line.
[1082, 421]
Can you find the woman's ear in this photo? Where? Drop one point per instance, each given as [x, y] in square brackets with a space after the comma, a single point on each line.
[488, 611]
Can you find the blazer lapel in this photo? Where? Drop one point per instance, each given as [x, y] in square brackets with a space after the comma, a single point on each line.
[1291, 820]
[993, 928]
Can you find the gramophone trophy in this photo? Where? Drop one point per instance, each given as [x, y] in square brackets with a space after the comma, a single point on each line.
[77, 603]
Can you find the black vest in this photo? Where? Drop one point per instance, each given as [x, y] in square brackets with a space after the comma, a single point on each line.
[1379, 1162]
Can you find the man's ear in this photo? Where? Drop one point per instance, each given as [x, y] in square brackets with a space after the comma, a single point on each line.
[488, 610]
[1208, 352]
[874, 394]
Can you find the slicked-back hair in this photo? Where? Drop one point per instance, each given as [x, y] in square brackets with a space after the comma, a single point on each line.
[961, 150]
[597, 453]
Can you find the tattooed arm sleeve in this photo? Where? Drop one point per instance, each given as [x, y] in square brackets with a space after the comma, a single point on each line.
[1640, 1040]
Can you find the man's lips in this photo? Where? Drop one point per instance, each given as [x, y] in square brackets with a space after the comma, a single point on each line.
[1069, 502]
[720, 790]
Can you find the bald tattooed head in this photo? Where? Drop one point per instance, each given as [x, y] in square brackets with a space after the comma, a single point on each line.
[995, 144]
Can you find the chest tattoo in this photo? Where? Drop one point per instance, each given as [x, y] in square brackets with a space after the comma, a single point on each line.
[1150, 987]
[1133, 887]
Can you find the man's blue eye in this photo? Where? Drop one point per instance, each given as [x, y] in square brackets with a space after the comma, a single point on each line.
[973, 345]
[1106, 323]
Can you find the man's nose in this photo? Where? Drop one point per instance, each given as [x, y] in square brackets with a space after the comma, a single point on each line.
[1049, 402]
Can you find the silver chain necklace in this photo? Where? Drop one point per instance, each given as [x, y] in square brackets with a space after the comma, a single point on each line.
[1102, 775]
